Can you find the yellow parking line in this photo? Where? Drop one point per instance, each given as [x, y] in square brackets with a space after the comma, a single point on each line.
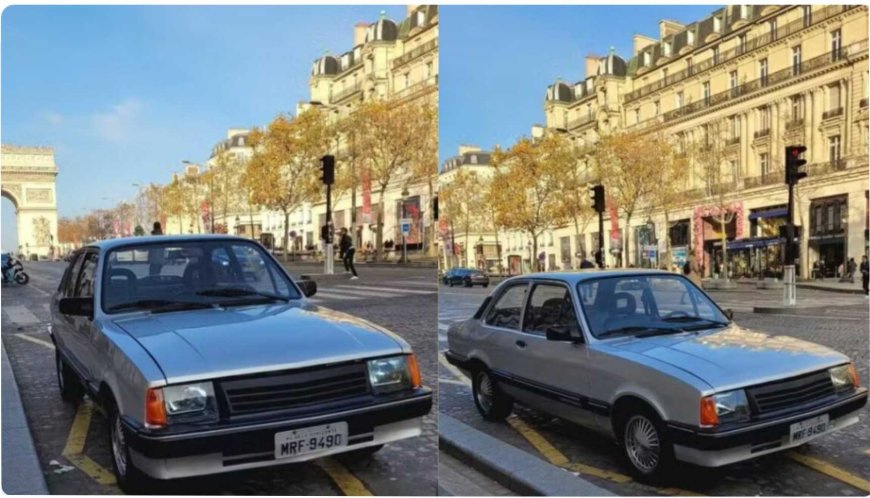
[455, 371]
[600, 473]
[35, 340]
[348, 483]
[831, 470]
[75, 446]
[543, 446]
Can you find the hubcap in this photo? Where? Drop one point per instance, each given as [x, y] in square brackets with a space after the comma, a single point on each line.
[484, 391]
[642, 443]
[119, 446]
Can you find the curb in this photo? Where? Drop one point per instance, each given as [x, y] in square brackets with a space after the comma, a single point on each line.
[22, 474]
[787, 310]
[844, 290]
[513, 468]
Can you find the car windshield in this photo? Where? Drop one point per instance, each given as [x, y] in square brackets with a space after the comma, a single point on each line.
[192, 274]
[646, 305]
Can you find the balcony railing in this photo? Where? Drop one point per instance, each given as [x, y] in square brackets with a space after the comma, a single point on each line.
[833, 113]
[739, 91]
[347, 92]
[826, 167]
[414, 53]
[418, 86]
[762, 133]
[762, 180]
[751, 44]
[794, 124]
[576, 123]
[732, 140]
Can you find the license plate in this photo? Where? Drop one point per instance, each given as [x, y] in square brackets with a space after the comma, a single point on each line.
[808, 429]
[308, 440]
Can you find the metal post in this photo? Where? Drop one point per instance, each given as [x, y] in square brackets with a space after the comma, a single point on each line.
[328, 267]
[789, 297]
[404, 242]
[600, 255]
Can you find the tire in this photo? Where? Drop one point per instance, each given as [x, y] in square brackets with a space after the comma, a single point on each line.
[68, 382]
[22, 278]
[646, 449]
[468, 283]
[130, 479]
[491, 403]
[450, 283]
[361, 454]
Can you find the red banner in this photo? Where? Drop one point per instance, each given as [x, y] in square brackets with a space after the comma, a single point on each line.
[367, 197]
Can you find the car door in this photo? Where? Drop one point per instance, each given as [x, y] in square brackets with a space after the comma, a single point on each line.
[63, 325]
[557, 371]
[500, 328]
[82, 329]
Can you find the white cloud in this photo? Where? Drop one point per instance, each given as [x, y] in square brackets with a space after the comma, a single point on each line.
[53, 118]
[117, 124]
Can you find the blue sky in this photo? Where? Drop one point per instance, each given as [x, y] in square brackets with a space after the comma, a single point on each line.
[496, 62]
[124, 94]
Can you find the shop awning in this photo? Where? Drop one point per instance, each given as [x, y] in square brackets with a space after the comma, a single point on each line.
[754, 242]
[769, 213]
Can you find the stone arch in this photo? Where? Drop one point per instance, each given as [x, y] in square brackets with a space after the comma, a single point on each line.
[29, 180]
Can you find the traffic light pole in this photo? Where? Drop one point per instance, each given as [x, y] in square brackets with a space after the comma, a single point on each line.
[793, 174]
[599, 256]
[328, 262]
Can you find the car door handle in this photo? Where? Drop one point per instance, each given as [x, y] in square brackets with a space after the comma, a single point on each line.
[521, 344]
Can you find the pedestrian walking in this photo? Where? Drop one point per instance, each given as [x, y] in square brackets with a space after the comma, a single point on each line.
[851, 266]
[865, 275]
[347, 251]
[157, 229]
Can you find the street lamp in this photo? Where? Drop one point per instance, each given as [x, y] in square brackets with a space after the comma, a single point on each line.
[405, 195]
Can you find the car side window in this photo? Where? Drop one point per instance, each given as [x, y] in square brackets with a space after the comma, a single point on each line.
[66, 285]
[507, 310]
[85, 281]
[550, 305]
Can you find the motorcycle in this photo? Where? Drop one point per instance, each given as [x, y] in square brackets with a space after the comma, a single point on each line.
[16, 271]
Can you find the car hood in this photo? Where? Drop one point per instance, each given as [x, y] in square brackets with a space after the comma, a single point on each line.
[197, 344]
[735, 357]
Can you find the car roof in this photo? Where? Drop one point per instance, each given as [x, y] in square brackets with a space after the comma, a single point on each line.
[581, 275]
[109, 244]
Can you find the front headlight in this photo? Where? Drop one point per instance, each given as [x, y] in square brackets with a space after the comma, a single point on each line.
[731, 406]
[844, 377]
[393, 374]
[188, 398]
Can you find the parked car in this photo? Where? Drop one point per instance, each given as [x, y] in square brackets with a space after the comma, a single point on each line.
[467, 277]
[212, 367]
[648, 358]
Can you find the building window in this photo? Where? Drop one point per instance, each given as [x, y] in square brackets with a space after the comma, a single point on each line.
[764, 161]
[665, 75]
[690, 37]
[637, 116]
[734, 122]
[473, 159]
[796, 60]
[689, 64]
[744, 12]
[772, 25]
[808, 15]
[836, 45]
[407, 77]
[764, 118]
[762, 71]
[717, 24]
[733, 78]
[741, 43]
[679, 100]
[706, 90]
[589, 111]
[735, 171]
[658, 107]
[646, 58]
[666, 49]
[715, 54]
[834, 149]
[834, 93]
[797, 107]
[429, 69]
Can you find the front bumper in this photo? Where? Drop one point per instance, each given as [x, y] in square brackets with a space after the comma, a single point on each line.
[225, 449]
[715, 448]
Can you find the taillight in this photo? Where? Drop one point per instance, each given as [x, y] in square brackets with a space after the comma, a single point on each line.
[709, 416]
[155, 410]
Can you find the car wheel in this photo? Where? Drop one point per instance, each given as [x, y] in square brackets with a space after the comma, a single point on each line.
[450, 283]
[130, 479]
[71, 389]
[361, 454]
[468, 283]
[646, 448]
[492, 404]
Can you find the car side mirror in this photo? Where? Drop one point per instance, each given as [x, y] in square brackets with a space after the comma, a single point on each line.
[77, 306]
[308, 287]
[729, 314]
[559, 333]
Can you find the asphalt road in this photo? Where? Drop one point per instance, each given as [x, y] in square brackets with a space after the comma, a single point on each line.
[72, 444]
[838, 464]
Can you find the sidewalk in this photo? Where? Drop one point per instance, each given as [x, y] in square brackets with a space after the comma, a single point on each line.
[833, 285]
[517, 470]
[22, 474]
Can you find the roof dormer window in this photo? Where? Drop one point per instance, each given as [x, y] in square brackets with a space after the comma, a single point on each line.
[744, 12]
[690, 37]
[666, 48]
[717, 24]
[647, 58]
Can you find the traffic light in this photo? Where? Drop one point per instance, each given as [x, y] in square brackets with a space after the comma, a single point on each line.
[598, 198]
[435, 208]
[327, 169]
[793, 163]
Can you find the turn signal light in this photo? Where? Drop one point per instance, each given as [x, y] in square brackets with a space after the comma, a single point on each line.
[709, 417]
[155, 409]
[854, 375]
[414, 370]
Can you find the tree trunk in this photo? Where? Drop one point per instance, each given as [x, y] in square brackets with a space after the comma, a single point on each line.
[251, 218]
[430, 249]
[379, 235]
[722, 222]
[286, 235]
[498, 252]
[576, 239]
[534, 262]
[466, 247]
[626, 243]
[670, 262]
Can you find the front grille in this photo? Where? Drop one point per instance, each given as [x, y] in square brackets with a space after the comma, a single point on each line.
[790, 393]
[294, 389]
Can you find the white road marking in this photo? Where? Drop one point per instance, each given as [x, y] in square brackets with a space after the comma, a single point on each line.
[386, 289]
[328, 295]
[20, 315]
[35, 340]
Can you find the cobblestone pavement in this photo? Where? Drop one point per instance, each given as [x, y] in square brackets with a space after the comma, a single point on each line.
[402, 300]
[827, 466]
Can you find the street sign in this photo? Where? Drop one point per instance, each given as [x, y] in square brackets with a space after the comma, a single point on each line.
[405, 223]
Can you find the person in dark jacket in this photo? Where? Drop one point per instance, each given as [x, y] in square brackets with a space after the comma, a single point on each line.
[346, 252]
[865, 275]
[585, 263]
[157, 229]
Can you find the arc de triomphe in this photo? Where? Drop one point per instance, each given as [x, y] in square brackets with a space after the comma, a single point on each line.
[29, 180]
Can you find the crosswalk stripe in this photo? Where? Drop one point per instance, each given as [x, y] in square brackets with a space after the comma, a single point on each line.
[20, 315]
[386, 289]
[329, 295]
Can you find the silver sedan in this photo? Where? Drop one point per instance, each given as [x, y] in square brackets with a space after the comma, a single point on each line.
[206, 357]
[649, 359]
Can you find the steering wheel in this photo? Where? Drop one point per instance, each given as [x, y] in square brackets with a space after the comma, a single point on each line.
[677, 314]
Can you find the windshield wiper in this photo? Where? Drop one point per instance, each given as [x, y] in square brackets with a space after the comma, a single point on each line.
[160, 305]
[638, 328]
[684, 319]
[240, 292]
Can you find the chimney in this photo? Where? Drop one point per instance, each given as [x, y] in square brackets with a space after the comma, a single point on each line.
[359, 33]
[465, 148]
[640, 42]
[667, 28]
[591, 65]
